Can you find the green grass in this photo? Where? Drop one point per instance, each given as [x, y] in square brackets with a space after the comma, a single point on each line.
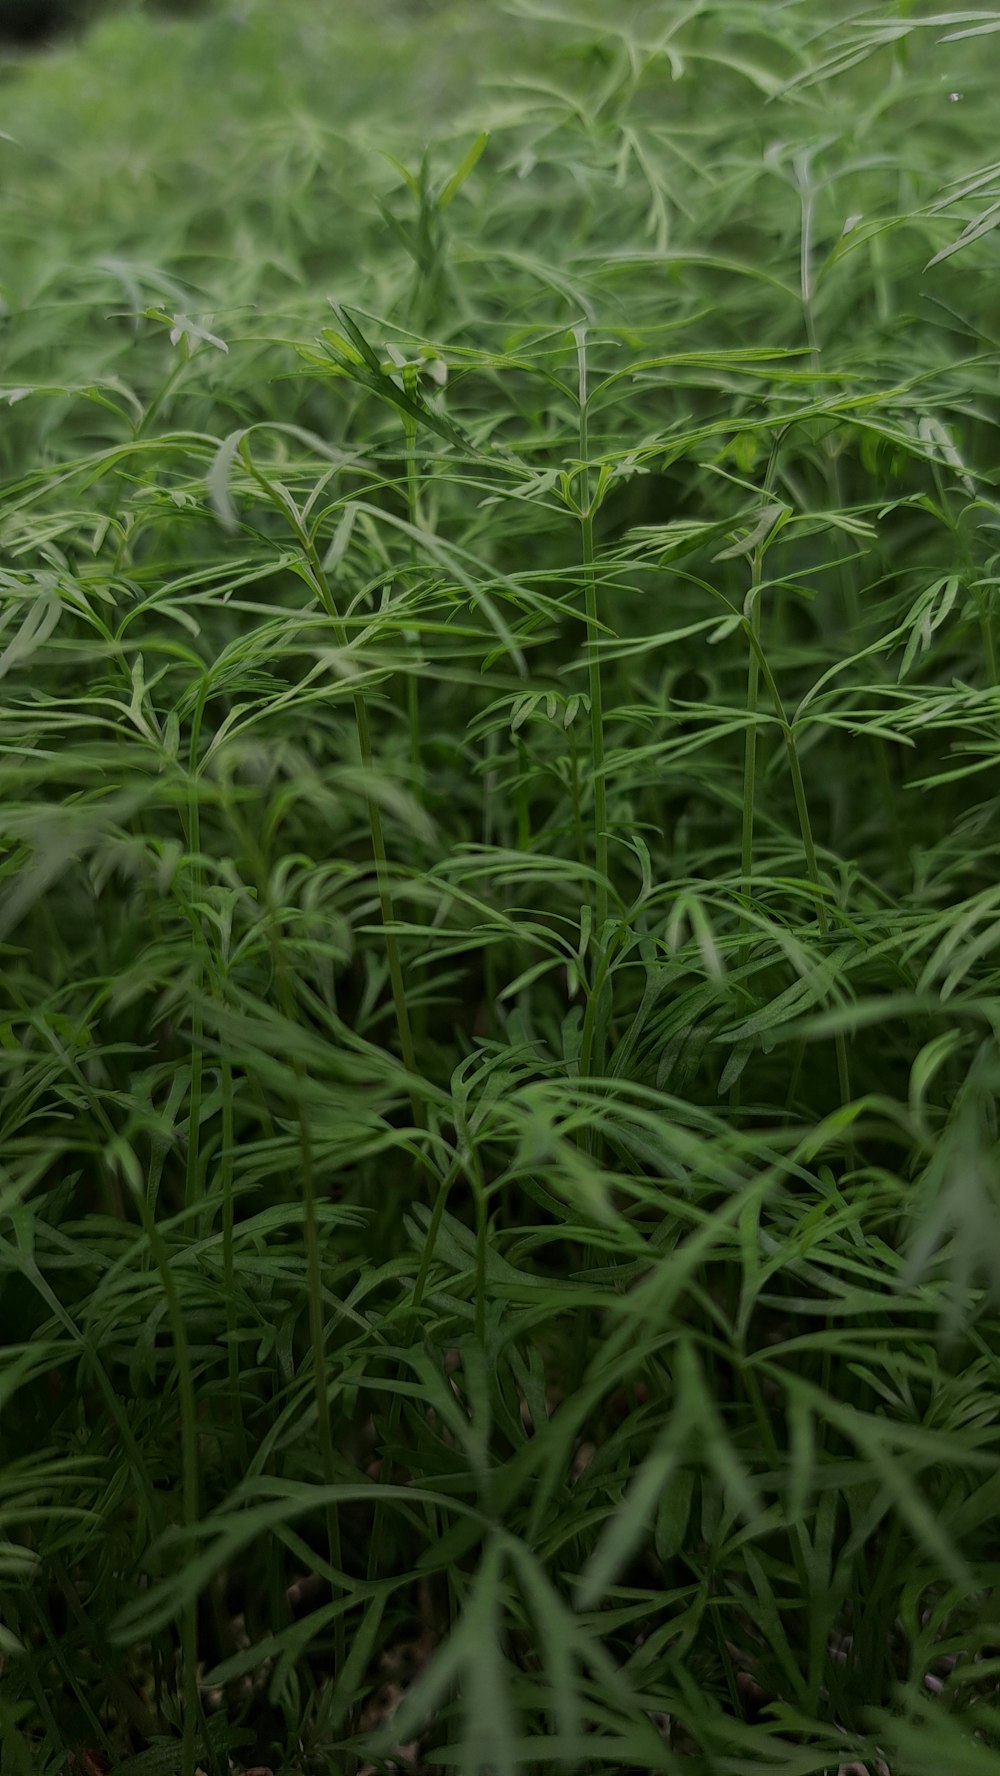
[500, 1016]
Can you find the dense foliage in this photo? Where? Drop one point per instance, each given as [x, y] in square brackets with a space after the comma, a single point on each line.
[499, 1033]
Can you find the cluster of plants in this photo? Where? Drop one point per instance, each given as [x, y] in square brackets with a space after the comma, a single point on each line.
[499, 744]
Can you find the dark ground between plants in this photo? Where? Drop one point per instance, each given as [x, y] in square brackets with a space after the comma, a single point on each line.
[41, 22]
[499, 734]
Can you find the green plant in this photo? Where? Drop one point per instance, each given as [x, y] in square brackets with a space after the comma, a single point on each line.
[499, 719]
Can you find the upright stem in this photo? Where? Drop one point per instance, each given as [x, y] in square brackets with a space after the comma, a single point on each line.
[482, 1245]
[317, 1342]
[807, 198]
[812, 865]
[594, 662]
[310, 1223]
[396, 981]
[855, 628]
[592, 1038]
[756, 669]
[750, 746]
[596, 724]
[579, 834]
[989, 641]
[586, 509]
[412, 478]
[412, 688]
[228, 1262]
[193, 839]
[754, 664]
[317, 1326]
[190, 1480]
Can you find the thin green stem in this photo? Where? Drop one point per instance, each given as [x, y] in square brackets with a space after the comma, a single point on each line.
[596, 690]
[190, 1480]
[812, 865]
[594, 676]
[310, 1218]
[754, 664]
[192, 1180]
[750, 751]
[592, 1024]
[228, 1261]
[317, 1341]
[382, 879]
